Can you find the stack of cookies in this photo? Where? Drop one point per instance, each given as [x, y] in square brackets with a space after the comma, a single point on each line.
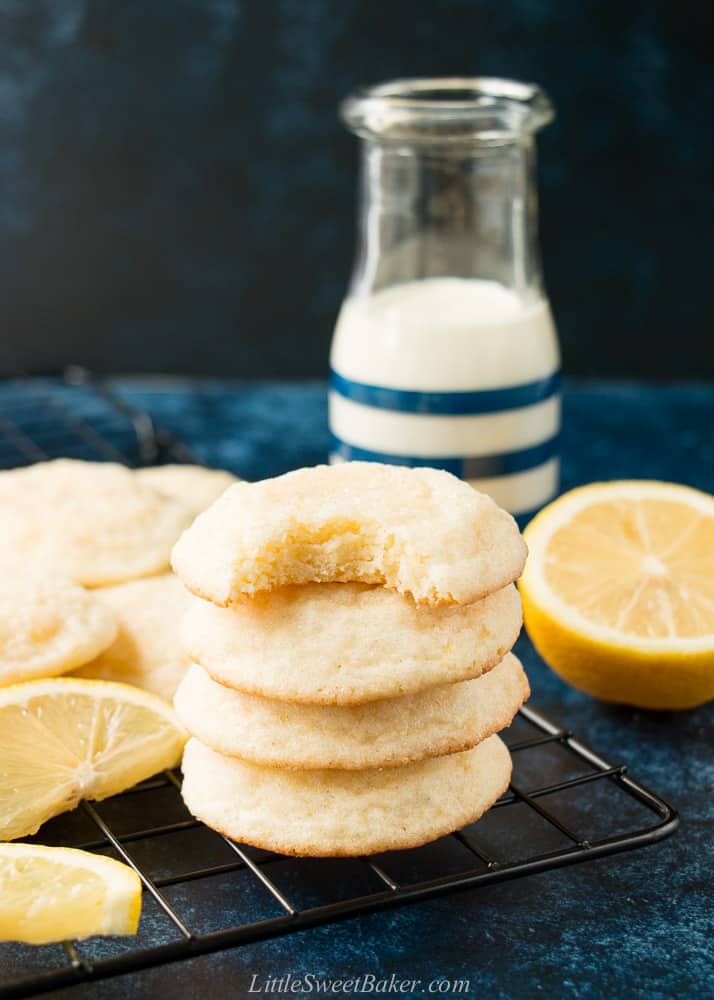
[350, 635]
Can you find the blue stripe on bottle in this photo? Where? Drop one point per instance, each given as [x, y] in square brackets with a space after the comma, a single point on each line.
[511, 397]
[471, 467]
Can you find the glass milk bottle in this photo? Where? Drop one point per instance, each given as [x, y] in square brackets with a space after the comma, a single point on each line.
[445, 352]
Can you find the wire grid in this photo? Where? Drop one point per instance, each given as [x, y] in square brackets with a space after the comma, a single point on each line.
[202, 891]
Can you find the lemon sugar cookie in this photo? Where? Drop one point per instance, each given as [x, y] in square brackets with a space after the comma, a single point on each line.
[93, 522]
[49, 627]
[343, 813]
[195, 486]
[347, 643]
[395, 731]
[350, 628]
[422, 532]
[147, 651]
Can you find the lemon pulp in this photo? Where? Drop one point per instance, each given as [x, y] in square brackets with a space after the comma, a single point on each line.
[52, 893]
[618, 591]
[66, 739]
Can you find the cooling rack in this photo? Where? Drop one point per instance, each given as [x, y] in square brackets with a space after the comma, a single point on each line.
[203, 892]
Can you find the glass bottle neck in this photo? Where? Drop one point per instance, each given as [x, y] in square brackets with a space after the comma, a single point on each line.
[429, 211]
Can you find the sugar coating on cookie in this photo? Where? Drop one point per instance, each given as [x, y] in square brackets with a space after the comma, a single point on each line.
[49, 627]
[195, 486]
[93, 522]
[422, 532]
[347, 643]
[445, 719]
[146, 652]
[326, 813]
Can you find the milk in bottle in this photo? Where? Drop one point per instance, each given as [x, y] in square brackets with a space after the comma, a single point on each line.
[445, 352]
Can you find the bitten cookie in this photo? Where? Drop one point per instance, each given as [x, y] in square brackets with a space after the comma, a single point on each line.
[147, 652]
[343, 813]
[48, 627]
[347, 643]
[93, 522]
[422, 532]
[195, 486]
[395, 731]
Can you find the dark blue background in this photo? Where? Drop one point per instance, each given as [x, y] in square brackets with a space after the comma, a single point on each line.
[176, 192]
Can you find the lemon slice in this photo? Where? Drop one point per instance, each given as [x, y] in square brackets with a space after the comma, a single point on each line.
[66, 739]
[618, 592]
[52, 893]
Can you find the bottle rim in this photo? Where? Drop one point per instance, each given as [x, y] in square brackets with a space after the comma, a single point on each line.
[475, 110]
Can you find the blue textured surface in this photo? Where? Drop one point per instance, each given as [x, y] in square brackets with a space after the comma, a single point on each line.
[635, 925]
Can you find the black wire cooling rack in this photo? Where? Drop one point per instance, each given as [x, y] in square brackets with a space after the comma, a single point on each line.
[202, 892]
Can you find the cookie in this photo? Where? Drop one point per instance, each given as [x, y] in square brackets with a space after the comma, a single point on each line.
[147, 652]
[49, 627]
[347, 643]
[93, 522]
[388, 733]
[195, 486]
[343, 813]
[422, 532]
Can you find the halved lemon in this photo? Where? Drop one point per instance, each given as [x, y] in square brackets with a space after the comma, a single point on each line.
[52, 893]
[65, 739]
[618, 592]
